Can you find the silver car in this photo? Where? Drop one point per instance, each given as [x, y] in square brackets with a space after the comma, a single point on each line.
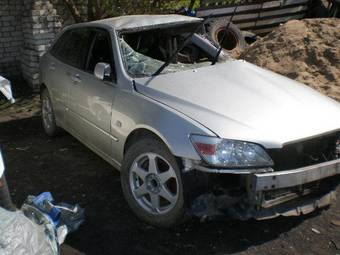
[192, 131]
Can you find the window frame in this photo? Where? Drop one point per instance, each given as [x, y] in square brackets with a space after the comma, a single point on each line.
[64, 61]
[96, 31]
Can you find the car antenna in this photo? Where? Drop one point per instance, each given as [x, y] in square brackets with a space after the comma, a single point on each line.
[170, 59]
[223, 38]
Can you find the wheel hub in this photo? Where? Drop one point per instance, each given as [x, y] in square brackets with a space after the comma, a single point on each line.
[153, 183]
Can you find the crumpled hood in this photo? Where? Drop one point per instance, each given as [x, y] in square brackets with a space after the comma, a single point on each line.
[238, 100]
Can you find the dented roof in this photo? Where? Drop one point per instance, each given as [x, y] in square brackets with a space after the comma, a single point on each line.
[141, 22]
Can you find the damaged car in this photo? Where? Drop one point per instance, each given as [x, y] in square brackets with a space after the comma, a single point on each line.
[192, 131]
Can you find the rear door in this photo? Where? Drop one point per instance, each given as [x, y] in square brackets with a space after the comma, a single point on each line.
[68, 56]
[90, 99]
[56, 79]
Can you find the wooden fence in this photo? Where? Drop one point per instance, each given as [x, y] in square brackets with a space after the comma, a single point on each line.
[258, 17]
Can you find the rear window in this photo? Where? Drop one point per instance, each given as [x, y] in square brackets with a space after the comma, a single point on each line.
[72, 47]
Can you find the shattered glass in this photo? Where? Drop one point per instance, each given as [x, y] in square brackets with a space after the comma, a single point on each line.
[139, 65]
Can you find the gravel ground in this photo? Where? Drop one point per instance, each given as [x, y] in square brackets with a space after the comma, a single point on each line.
[36, 163]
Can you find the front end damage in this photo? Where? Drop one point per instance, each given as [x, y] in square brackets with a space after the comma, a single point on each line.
[294, 186]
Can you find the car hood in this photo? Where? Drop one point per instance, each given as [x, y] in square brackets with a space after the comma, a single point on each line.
[238, 100]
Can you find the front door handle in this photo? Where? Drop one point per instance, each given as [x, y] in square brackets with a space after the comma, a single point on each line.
[52, 67]
[76, 78]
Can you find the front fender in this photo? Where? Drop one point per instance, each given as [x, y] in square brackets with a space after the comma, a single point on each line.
[132, 111]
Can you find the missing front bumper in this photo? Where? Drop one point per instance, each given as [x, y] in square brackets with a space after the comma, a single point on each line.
[269, 195]
[293, 192]
[291, 178]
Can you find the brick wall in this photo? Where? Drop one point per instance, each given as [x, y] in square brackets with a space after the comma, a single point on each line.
[40, 24]
[11, 39]
[27, 29]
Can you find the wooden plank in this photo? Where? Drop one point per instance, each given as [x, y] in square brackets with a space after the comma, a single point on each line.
[267, 26]
[217, 3]
[272, 4]
[259, 18]
[283, 11]
[254, 8]
[266, 13]
[227, 10]
[267, 22]
[265, 3]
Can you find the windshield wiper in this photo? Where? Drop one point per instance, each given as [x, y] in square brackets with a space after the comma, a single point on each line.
[215, 59]
[174, 54]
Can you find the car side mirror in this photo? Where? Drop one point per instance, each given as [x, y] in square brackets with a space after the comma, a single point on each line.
[102, 71]
[6, 89]
[2, 165]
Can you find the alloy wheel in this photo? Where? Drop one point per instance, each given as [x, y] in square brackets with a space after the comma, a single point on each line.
[154, 183]
[47, 112]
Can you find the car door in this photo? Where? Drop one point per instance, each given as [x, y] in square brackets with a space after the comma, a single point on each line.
[56, 77]
[90, 99]
[69, 55]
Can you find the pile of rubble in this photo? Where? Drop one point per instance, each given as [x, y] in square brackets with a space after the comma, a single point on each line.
[305, 50]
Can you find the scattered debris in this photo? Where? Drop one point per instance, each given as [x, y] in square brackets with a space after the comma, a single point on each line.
[316, 231]
[5, 89]
[22, 148]
[40, 226]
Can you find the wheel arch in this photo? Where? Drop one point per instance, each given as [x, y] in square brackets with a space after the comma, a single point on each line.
[140, 132]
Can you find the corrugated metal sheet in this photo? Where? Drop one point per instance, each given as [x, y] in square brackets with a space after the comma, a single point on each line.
[258, 17]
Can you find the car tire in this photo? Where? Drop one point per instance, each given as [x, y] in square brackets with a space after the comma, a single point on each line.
[47, 114]
[234, 39]
[138, 170]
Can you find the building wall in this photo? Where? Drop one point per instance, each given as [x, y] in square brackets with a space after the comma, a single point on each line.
[27, 29]
[40, 24]
[11, 37]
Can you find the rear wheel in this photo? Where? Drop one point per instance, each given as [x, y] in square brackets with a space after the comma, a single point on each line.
[152, 184]
[47, 114]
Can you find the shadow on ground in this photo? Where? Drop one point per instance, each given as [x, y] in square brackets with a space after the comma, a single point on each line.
[36, 163]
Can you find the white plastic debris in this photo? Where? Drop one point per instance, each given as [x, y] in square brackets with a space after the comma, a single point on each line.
[5, 89]
[316, 231]
[19, 235]
[39, 228]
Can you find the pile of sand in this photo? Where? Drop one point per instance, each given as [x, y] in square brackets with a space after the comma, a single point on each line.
[305, 50]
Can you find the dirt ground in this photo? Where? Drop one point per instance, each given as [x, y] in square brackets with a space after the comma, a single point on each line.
[36, 163]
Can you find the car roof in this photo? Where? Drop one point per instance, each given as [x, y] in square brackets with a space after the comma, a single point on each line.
[142, 22]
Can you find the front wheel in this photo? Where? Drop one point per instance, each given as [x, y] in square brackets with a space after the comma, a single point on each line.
[152, 184]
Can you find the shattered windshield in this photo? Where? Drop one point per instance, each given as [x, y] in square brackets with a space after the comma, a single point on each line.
[139, 65]
[145, 52]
